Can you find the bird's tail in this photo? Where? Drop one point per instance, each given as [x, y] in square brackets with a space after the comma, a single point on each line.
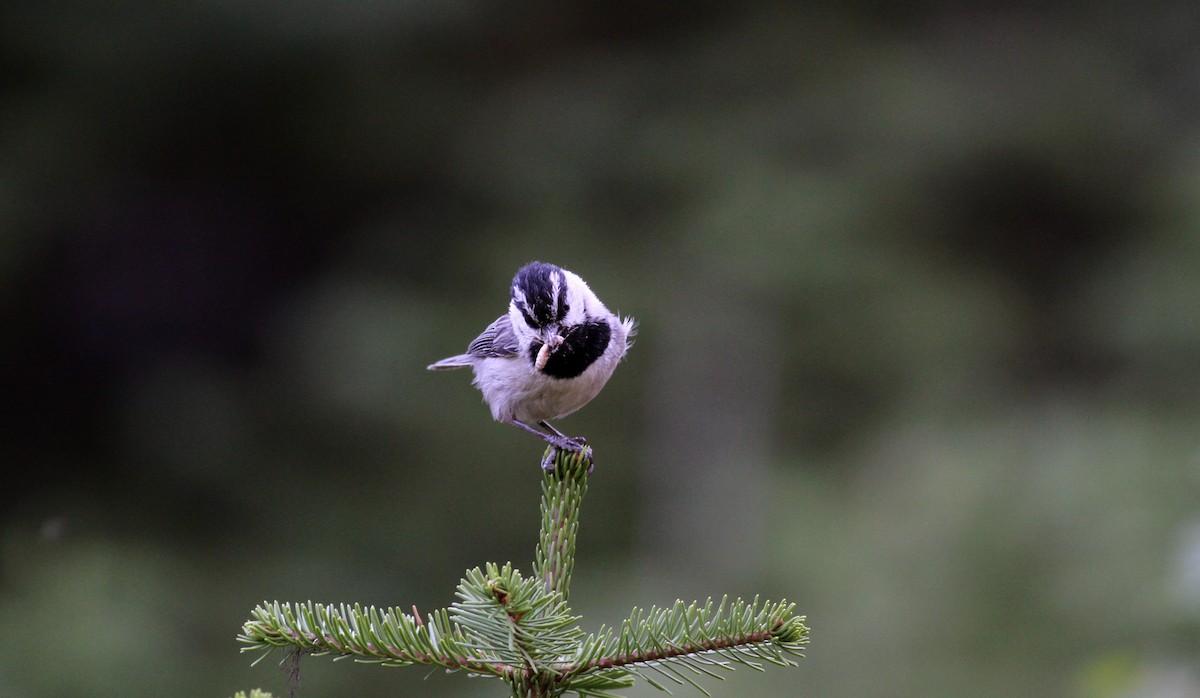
[460, 361]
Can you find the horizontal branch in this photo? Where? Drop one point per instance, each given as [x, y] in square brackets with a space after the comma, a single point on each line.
[688, 636]
[392, 637]
[744, 642]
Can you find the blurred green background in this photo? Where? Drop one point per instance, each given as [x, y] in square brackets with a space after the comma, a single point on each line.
[919, 348]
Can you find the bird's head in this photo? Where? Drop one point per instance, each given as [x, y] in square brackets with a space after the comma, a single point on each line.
[547, 301]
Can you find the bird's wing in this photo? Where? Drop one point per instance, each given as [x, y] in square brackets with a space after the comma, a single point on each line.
[497, 340]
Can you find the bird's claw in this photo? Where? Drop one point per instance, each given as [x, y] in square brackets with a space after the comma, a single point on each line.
[571, 444]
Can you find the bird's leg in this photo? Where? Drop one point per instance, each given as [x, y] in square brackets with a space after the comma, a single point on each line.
[556, 439]
[577, 439]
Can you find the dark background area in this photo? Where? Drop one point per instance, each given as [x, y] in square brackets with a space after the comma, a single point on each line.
[917, 291]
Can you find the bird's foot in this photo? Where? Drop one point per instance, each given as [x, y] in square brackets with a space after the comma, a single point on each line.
[558, 442]
[571, 444]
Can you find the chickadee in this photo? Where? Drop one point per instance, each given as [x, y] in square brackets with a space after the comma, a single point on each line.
[548, 356]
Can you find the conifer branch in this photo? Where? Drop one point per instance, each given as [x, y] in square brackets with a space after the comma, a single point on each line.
[520, 629]
[562, 496]
[391, 637]
[698, 638]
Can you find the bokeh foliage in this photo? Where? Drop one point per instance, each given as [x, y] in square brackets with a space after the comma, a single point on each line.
[917, 291]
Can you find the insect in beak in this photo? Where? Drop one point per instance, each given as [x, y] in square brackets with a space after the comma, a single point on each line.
[552, 341]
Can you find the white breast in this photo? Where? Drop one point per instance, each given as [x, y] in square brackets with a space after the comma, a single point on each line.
[514, 390]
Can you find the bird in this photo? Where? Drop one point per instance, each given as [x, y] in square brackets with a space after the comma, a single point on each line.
[548, 356]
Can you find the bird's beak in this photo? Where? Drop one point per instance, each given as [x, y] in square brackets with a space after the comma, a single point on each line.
[551, 337]
[551, 340]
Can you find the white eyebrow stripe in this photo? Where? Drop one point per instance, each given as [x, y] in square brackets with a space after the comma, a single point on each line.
[521, 302]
